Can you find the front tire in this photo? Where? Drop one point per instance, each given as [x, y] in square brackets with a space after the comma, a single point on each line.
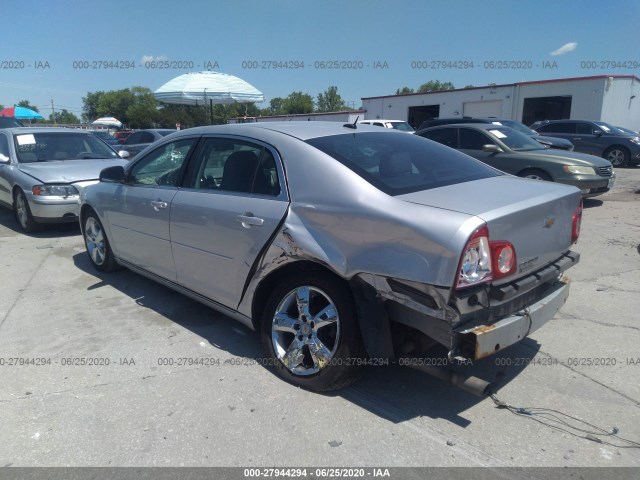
[310, 332]
[535, 174]
[98, 248]
[22, 213]
[618, 156]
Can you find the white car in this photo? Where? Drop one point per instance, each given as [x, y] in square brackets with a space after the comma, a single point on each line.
[395, 124]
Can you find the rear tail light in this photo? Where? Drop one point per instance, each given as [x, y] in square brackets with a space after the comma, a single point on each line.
[484, 260]
[576, 222]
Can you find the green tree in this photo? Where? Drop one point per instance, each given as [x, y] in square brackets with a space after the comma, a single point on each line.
[90, 106]
[435, 86]
[404, 91]
[276, 107]
[298, 102]
[142, 112]
[26, 104]
[64, 117]
[469, 86]
[330, 101]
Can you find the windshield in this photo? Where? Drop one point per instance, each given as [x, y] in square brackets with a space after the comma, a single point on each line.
[164, 133]
[399, 164]
[62, 145]
[515, 140]
[517, 126]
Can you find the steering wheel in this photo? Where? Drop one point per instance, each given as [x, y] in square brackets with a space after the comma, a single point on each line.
[84, 155]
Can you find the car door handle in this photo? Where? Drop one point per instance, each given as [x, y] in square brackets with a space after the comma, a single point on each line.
[577, 138]
[248, 220]
[157, 205]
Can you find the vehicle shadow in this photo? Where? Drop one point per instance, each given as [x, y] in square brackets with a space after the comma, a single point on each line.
[394, 392]
[9, 227]
[591, 202]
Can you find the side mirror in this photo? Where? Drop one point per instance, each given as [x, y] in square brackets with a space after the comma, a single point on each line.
[112, 174]
[123, 154]
[597, 132]
[4, 159]
[491, 148]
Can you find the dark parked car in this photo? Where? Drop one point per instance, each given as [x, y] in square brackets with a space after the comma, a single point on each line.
[596, 138]
[551, 142]
[10, 122]
[122, 135]
[138, 141]
[344, 245]
[107, 138]
[515, 153]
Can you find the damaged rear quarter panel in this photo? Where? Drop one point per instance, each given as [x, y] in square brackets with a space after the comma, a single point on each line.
[338, 219]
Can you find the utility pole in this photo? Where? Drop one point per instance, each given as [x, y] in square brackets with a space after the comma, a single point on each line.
[54, 112]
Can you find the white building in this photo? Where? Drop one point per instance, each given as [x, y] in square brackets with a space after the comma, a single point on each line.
[609, 98]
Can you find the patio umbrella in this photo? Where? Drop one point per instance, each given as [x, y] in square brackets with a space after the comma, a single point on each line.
[200, 88]
[108, 121]
[20, 112]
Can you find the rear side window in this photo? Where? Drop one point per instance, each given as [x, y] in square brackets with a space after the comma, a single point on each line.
[560, 127]
[231, 165]
[399, 164]
[445, 136]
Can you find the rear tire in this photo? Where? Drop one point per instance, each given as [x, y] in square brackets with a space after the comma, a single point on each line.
[98, 248]
[535, 174]
[22, 212]
[618, 156]
[310, 332]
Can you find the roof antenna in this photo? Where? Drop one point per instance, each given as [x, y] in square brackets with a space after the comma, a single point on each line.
[352, 125]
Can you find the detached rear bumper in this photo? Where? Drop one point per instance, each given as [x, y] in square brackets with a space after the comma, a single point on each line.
[485, 340]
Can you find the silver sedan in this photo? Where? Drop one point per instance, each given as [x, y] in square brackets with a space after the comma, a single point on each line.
[344, 245]
[43, 171]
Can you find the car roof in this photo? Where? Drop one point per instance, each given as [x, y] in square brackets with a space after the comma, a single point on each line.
[380, 120]
[297, 129]
[478, 125]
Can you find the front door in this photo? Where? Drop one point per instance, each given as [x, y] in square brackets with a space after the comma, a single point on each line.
[139, 219]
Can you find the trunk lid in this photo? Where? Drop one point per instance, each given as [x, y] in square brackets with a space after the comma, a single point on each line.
[535, 216]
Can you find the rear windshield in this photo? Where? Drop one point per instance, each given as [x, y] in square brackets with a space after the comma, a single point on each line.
[399, 164]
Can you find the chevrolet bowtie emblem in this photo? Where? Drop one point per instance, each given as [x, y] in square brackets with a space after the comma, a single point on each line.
[549, 221]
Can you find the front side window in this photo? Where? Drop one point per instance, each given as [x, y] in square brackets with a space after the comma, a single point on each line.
[473, 139]
[233, 165]
[399, 164]
[4, 148]
[163, 166]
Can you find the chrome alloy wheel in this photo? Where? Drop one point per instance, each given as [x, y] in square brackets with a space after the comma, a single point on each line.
[22, 211]
[617, 157]
[94, 239]
[305, 330]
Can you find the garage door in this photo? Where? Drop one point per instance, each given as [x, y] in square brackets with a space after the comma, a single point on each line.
[492, 108]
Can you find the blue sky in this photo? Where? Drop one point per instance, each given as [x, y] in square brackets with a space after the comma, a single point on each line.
[362, 33]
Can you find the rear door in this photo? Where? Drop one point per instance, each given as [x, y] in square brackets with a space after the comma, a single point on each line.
[139, 216]
[224, 216]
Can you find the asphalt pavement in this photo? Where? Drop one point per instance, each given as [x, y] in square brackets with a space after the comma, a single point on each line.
[115, 370]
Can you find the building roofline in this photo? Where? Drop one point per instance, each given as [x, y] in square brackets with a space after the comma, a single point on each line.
[314, 114]
[532, 82]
